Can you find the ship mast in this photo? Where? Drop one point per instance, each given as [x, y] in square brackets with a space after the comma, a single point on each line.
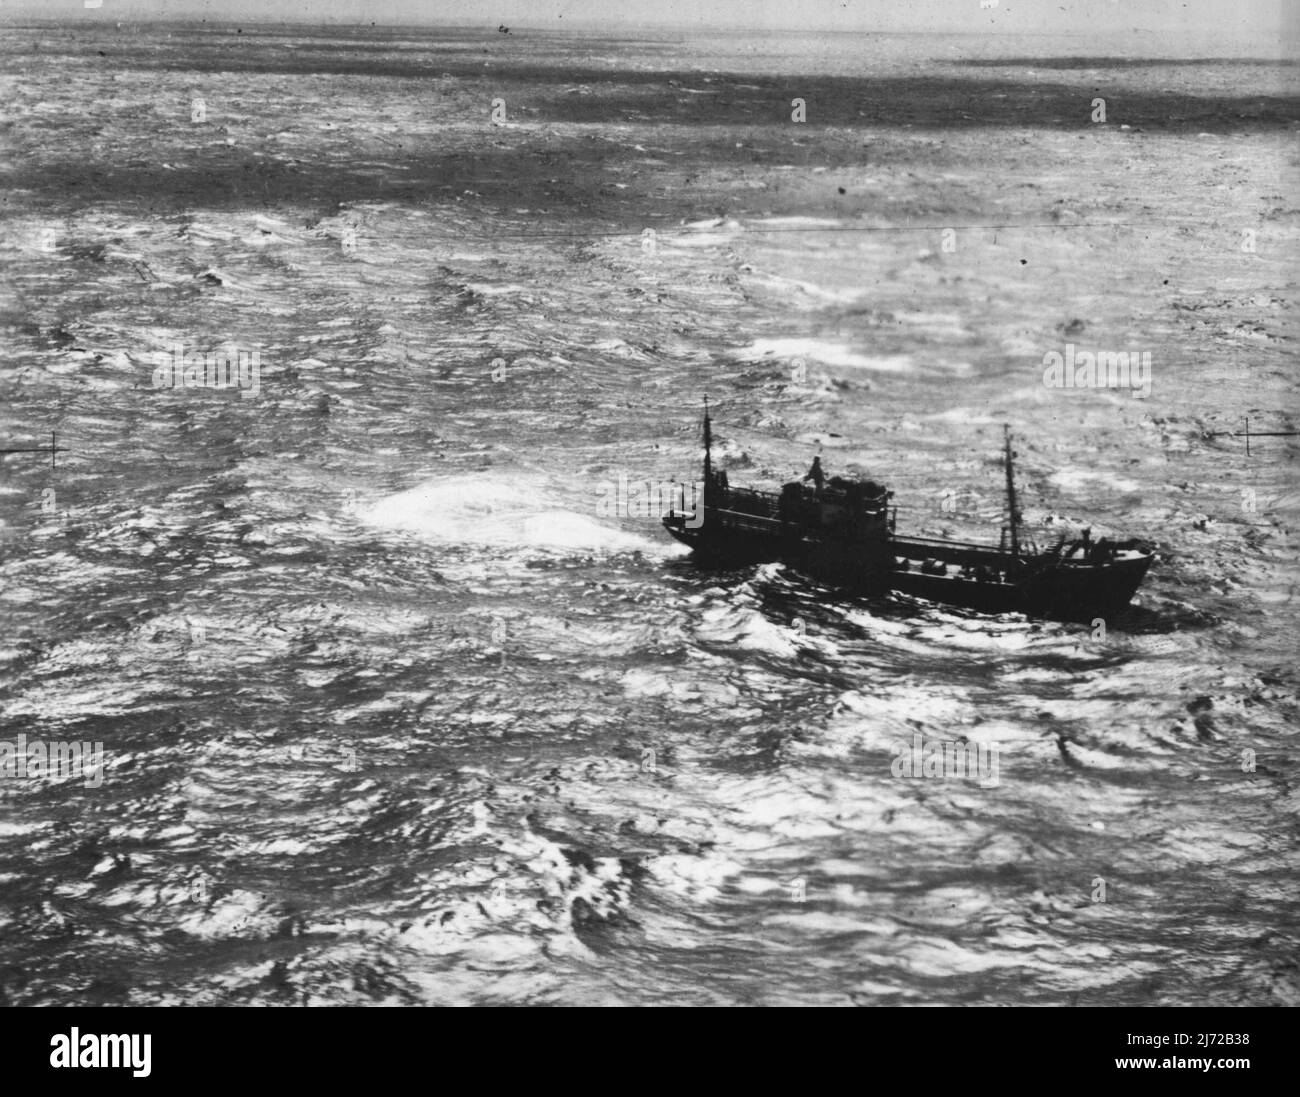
[1011, 494]
[708, 446]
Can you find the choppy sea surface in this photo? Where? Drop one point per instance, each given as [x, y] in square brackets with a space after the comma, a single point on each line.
[397, 708]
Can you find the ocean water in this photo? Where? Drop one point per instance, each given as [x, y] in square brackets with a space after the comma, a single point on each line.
[395, 708]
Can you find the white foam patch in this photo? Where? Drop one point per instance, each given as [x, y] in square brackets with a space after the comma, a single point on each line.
[906, 701]
[749, 630]
[699, 240]
[1079, 479]
[940, 958]
[486, 289]
[828, 354]
[797, 222]
[713, 223]
[841, 296]
[699, 878]
[963, 415]
[11, 829]
[488, 512]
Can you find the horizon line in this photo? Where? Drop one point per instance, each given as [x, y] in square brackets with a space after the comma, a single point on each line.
[102, 17]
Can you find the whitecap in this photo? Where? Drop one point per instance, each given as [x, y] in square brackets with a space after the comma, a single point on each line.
[827, 353]
[486, 511]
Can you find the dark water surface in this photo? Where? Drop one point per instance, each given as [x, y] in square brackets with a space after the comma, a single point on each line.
[394, 711]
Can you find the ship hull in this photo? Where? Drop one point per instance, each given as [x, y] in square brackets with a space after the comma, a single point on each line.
[980, 578]
[992, 580]
[1083, 594]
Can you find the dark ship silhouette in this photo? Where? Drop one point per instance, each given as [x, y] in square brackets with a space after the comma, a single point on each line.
[842, 532]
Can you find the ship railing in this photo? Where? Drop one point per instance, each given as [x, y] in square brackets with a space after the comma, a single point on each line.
[965, 552]
[753, 521]
[746, 502]
[767, 504]
[765, 507]
[774, 526]
[939, 542]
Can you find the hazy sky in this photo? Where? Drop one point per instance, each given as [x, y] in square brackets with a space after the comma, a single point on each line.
[1261, 19]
